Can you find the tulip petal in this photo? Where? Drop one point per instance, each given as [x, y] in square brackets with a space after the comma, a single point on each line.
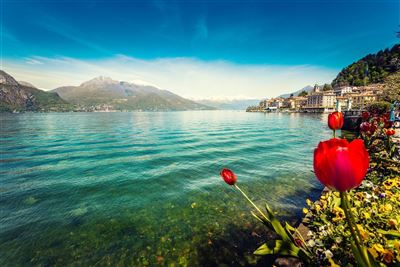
[340, 165]
[228, 176]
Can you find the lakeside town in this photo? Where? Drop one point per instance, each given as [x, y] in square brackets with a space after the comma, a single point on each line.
[323, 99]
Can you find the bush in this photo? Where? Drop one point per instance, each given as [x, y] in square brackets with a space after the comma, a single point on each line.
[379, 108]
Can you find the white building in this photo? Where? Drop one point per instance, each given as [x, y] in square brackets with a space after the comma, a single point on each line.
[340, 91]
[321, 100]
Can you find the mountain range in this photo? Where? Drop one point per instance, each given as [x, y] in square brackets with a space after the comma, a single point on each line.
[122, 95]
[229, 104]
[105, 93]
[97, 94]
[308, 89]
[15, 96]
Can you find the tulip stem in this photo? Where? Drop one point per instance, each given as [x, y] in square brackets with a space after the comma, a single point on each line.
[334, 133]
[355, 233]
[251, 202]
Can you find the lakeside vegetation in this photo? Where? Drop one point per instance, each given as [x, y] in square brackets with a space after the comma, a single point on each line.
[373, 68]
[357, 221]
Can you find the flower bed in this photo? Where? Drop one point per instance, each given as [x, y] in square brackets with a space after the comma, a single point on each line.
[357, 221]
[376, 208]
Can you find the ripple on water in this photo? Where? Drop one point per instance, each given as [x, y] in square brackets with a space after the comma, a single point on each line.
[143, 188]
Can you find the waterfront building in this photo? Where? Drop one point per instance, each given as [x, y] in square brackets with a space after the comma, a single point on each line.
[264, 104]
[359, 100]
[320, 101]
[276, 103]
[341, 91]
[295, 102]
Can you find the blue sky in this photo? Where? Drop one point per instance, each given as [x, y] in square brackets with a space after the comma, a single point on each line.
[295, 37]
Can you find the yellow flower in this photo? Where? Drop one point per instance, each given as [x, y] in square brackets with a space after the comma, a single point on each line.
[385, 208]
[360, 196]
[389, 183]
[317, 207]
[332, 263]
[339, 214]
[376, 250]
[324, 204]
[373, 252]
[366, 215]
[393, 222]
[305, 210]
[397, 245]
[364, 234]
[309, 202]
[379, 248]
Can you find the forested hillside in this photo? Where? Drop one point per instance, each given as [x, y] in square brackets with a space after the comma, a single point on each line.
[373, 68]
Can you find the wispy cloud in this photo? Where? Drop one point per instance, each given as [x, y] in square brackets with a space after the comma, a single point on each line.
[188, 77]
[33, 61]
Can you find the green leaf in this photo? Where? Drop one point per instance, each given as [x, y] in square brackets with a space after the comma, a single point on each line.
[335, 201]
[262, 219]
[256, 216]
[289, 228]
[276, 224]
[278, 247]
[357, 255]
[392, 233]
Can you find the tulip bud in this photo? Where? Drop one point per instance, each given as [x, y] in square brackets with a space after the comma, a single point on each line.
[228, 176]
[365, 115]
[335, 120]
[390, 132]
[341, 165]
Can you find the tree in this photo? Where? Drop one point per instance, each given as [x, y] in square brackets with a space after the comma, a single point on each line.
[378, 107]
[327, 87]
[373, 68]
[303, 93]
[391, 92]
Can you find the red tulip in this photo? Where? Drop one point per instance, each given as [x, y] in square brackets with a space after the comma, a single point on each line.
[341, 165]
[365, 115]
[228, 176]
[390, 132]
[335, 120]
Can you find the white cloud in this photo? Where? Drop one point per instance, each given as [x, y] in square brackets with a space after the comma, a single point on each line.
[187, 77]
[33, 61]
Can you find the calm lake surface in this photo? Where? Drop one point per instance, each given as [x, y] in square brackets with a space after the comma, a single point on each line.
[144, 188]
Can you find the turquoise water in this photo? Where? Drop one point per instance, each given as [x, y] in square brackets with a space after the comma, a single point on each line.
[144, 189]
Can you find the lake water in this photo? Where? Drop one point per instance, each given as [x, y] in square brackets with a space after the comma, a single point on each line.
[144, 189]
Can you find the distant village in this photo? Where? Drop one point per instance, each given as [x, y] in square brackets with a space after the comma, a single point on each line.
[321, 100]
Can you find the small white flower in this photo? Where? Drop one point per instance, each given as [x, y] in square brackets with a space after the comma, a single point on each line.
[311, 243]
[328, 254]
[368, 195]
[339, 239]
[310, 233]
[366, 183]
